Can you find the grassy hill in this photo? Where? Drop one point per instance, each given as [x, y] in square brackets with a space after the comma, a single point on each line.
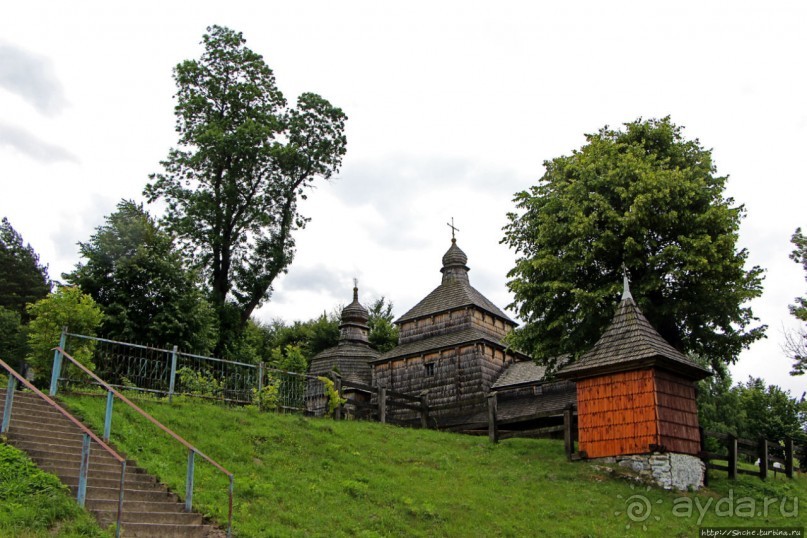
[34, 504]
[315, 477]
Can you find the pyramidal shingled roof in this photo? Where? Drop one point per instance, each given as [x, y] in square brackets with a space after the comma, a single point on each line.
[454, 292]
[631, 343]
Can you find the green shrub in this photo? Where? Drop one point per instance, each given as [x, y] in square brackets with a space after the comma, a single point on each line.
[198, 384]
[268, 398]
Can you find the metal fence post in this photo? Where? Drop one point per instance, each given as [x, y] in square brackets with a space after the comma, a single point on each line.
[110, 399]
[173, 374]
[189, 482]
[57, 363]
[12, 386]
[261, 366]
[230, 509]
[120, 498]
[82, 473]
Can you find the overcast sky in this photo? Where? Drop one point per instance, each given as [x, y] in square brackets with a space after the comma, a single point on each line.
[453, 107]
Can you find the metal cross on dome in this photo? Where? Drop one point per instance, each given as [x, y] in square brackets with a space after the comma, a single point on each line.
[453, 228]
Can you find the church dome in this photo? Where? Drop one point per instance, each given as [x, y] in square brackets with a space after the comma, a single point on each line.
[454, 256]
[355, 311]
[454, 268]
[354, 326]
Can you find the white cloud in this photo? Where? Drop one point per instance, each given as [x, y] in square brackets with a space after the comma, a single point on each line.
[32, 146]
[32, 78]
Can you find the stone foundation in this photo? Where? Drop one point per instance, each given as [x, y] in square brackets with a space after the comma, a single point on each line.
[669, 471]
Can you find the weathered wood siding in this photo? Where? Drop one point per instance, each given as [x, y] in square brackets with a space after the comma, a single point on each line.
[435, 325]
[454, 320]
[617, 414]
[454, 375]
[677, 413]
[490, 324]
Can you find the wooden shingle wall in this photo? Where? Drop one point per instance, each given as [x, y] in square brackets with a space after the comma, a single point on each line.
[490, 324]
[617, 414]
[456, 375]
[677, 413]
[435, 325]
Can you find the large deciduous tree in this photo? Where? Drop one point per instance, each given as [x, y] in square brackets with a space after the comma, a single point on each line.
[796, 340]
[244, 158]
[138, 278]
[22, 279]
[647, 198]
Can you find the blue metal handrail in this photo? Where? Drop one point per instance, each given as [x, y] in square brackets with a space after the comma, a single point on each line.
[14, 377]
[111, 394]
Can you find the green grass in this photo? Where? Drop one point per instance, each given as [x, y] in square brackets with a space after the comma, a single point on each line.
[316, 477]
[35, 504]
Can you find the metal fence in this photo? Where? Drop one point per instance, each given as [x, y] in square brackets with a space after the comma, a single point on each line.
[170, 372]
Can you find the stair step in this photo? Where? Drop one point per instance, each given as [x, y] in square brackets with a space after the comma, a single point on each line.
[130, 478]
[105, 517]
[107, 481]
[151, 530]
[35, 432]
[136, 506]
[56, 446]
[57, 465]
[98, 459]
[45, 423]
[54, 443]
[105, 493]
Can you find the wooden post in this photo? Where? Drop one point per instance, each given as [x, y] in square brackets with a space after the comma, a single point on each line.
[704, 457]
[763, 458]
[568, 433]
[493, 426]
[382, 404]
[789, 457]
[424, 409]
[731, 444]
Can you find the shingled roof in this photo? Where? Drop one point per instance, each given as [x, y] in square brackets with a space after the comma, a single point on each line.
[454, 292]
[351, 359]
[630, 343]
[520, 373]
[353, 353]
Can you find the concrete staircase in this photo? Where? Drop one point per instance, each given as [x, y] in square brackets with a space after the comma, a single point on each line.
[54, 443]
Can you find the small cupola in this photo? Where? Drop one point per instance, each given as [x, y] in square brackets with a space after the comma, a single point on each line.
[455, 264]
[353, 327]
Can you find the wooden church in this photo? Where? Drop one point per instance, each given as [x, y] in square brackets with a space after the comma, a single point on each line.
[450, 345]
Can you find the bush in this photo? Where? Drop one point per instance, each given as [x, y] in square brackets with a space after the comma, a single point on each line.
[197, 383]
[67, 307]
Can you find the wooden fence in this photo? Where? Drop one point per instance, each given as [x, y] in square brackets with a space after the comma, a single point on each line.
[378, 402]
[768, 453]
